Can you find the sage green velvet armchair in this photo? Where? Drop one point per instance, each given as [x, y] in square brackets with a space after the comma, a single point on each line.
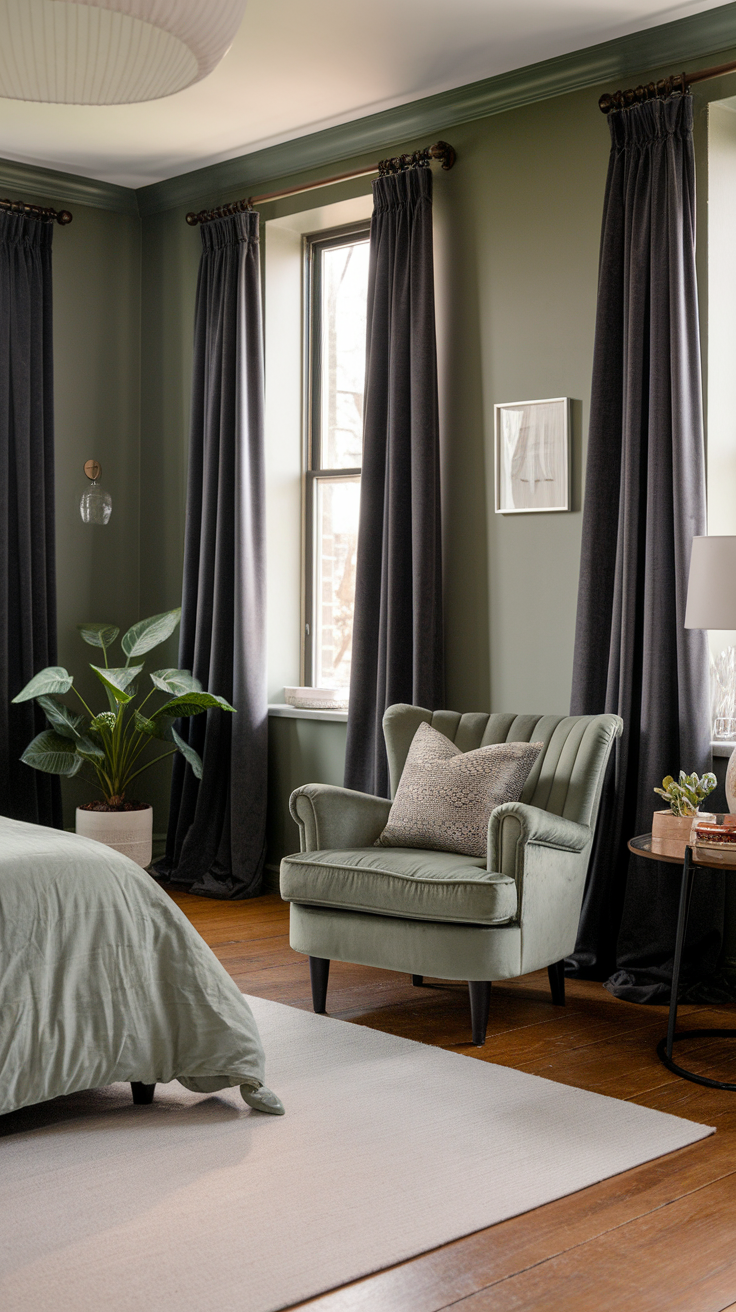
[437, 913]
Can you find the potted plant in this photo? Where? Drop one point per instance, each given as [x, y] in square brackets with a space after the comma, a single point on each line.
[112, 743]
[684, 797]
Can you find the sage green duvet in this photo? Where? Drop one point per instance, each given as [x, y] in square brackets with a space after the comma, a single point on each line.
[102, 978]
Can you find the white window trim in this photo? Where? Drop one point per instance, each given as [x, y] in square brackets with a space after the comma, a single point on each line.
[283, 303]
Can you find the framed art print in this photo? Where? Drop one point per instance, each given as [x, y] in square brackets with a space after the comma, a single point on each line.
[532, 456]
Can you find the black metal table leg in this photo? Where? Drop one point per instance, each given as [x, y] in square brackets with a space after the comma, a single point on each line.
[664, 1047]
[682, 916]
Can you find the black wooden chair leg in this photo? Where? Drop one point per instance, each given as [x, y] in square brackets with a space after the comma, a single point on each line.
[556, 974]
[417, 981]
[480, 1005]
[142, 1093]
[319, 973]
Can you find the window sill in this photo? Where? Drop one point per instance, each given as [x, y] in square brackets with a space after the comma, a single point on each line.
[722, 747]
[301, 713]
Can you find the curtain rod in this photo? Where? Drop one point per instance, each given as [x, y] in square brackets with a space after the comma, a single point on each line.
[655, 90]
[420, 158]
[44, 212]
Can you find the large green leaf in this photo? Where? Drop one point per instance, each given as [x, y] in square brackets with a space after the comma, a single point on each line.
[190, 703]
[147, 634]
[118, 681]
[61, 719]
[98, 635]
[176, 681]
[53, 679]
[90, 750]
[153, 728]
[194, 759]
[52, 754]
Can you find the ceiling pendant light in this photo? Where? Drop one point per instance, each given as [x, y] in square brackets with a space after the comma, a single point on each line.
[111, 52]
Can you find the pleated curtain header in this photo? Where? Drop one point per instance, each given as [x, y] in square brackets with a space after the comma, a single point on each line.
[230, 231]
[651, 121]
[17, 229]
[396, 190]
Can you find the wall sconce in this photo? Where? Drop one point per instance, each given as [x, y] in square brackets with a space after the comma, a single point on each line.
[95, 505]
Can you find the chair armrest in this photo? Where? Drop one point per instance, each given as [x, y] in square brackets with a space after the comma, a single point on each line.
[548, 857]
[332, 817]
[515, 824]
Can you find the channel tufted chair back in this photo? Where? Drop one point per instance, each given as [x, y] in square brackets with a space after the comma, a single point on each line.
[566, 779]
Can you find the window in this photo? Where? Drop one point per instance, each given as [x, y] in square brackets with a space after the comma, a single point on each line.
[721, 390]
[337, 292]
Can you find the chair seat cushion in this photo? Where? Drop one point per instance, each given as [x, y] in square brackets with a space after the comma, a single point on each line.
[410, 883]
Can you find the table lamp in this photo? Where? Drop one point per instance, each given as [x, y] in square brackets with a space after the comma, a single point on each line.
[711, 604]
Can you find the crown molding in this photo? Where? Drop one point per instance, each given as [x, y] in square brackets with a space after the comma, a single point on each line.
[684, 40]
[41, 185]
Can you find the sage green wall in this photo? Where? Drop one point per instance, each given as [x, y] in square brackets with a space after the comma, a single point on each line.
[517, 229]
[96, 263]
[299, 752]
[517, 235]
[517, 224]
[170, 258]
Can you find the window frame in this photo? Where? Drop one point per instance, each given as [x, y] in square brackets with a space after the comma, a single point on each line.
[312, 469]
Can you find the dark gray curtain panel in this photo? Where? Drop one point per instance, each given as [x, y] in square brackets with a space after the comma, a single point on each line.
[644, 502]
[27, 557]
[216, 838]
[397, 634]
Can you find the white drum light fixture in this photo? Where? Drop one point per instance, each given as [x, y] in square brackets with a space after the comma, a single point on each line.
[111, 52]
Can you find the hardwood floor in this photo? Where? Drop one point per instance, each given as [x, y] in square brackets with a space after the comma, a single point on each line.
[659, 1238]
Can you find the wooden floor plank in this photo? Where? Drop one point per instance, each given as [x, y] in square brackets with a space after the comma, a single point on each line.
[681, 1257]
[659, 1237]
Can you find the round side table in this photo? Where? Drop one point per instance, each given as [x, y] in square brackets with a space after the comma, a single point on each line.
[676, 852]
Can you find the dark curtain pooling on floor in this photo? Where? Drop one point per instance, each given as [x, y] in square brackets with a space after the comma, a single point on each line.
[216, 838]
[644, 502]
[397, 635]
[27, 564]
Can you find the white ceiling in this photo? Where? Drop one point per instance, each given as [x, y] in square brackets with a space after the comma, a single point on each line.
[296, 67]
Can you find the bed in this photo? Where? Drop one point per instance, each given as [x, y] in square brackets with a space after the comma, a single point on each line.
[103, 979]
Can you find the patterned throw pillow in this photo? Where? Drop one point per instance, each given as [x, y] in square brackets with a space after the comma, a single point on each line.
[445, 797]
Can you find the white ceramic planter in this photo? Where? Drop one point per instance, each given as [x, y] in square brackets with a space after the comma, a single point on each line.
[129, 832]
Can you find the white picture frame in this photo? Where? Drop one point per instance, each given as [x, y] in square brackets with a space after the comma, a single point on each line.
[532, 456]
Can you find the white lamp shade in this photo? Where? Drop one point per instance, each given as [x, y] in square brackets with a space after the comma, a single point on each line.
[711, 591]
[111, 52]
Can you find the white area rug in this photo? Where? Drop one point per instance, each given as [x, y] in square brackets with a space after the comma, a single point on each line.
[388, 1148]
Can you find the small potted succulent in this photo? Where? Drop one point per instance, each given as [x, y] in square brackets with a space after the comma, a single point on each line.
[112, 744]
[684, 797]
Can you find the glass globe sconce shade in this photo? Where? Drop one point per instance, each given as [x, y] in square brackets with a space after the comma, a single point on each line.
[111, 52]
[95, 505]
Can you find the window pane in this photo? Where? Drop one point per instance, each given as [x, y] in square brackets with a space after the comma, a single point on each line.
[337, 508]
[344, 297]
